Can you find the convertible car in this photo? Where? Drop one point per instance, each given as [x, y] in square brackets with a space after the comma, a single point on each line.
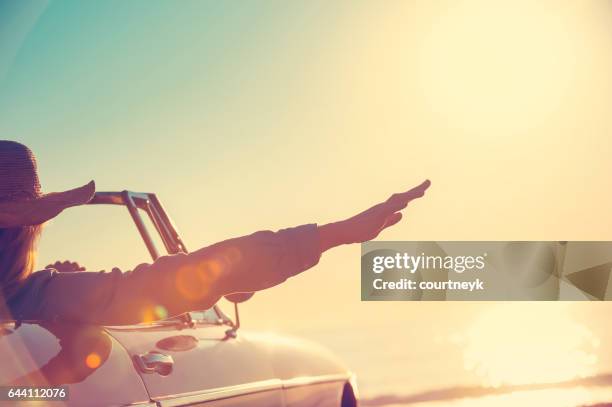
[196, 359]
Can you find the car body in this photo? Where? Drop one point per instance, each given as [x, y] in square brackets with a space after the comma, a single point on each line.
[201, 358]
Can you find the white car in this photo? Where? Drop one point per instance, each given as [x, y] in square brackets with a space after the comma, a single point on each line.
[197, 359]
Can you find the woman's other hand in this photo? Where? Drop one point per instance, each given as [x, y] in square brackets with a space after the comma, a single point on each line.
[369, 223]
[66, 266]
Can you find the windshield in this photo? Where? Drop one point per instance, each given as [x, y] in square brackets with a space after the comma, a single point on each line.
[85, 234]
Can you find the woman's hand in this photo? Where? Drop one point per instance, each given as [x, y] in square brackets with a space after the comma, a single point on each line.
[369, 223]
[66, 266]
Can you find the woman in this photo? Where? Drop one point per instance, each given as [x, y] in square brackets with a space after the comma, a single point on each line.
[179, 283]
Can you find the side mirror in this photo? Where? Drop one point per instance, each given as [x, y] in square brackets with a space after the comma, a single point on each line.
[238, 298]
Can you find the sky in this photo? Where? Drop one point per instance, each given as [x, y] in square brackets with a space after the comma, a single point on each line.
[263, 115]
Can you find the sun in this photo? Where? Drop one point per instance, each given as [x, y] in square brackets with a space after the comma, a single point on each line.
[499, 66]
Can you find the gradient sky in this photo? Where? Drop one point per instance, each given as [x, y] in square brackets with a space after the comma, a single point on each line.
[262, 115]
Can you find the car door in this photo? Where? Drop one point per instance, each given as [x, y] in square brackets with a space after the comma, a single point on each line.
[84, 360]
[196, 363]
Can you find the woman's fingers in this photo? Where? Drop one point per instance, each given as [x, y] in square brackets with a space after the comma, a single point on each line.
[412, 193]
[400, 201]
[66, 265]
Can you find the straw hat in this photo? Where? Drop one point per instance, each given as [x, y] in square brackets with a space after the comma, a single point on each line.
[21, 201]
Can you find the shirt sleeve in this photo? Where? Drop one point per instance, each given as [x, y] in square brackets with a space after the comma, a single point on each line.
[172, 284]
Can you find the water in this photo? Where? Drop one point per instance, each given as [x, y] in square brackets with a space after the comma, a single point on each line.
[485, 354]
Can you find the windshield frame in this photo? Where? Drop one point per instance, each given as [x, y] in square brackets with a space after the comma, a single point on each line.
[164, 226]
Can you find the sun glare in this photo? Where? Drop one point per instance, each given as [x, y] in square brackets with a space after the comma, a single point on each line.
[527, 344]
[490, 65]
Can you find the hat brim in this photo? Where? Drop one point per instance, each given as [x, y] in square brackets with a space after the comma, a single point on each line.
[39, 210]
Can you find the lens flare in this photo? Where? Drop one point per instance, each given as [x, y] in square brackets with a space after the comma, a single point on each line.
[161, 312]
[194, 282]
[93, 360]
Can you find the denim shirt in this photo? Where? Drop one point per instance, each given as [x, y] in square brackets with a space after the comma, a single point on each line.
[177, 283]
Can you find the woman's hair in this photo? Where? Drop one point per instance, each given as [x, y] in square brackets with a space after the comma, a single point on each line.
[17, 257]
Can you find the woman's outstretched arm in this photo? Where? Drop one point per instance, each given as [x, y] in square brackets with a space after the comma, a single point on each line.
[195, 281]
